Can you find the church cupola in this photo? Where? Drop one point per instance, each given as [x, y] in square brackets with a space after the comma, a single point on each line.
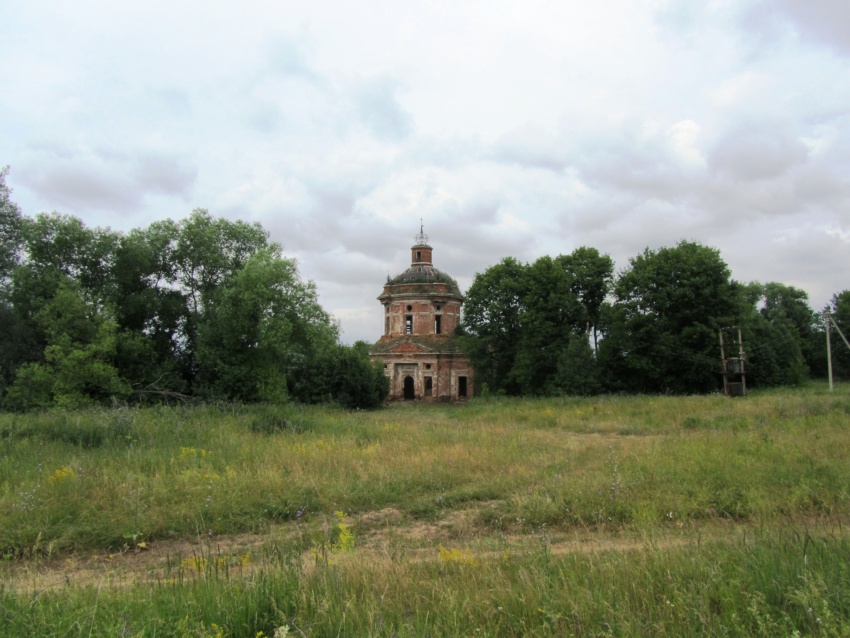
[421, 251]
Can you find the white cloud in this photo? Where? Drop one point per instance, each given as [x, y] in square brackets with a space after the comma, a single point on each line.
[513, 129]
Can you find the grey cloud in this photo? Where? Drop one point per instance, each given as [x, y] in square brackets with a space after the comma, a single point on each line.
[173, 100]
[755, 151]
[823, 22]
[286, 59]
[804, 257]
[532, 147]
[106, 181]
[80, 187]
[332, 204]
[824, 186]
[164, 174]
[627, 162]
[346, 269]
[289, 85]
[264, 118]
[679, 16]
[380, 110]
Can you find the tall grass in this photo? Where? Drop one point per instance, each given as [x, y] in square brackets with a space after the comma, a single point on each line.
[71, 481]
[720, 517]
[767, 585]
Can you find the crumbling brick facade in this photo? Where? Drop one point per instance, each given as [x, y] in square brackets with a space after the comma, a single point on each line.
[419, 349]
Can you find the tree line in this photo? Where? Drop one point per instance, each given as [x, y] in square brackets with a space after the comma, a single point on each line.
[569, 325]
[201, 308]
[210, 309]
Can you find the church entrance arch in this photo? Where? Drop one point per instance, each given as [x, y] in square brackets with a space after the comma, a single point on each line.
[409, 393]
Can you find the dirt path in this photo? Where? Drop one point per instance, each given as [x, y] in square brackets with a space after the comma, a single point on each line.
[379, 535]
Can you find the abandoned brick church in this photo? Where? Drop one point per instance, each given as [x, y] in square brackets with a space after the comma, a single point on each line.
[419, 348]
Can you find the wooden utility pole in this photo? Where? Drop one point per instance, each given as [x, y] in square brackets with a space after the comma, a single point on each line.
[826, 320]
[829, 320]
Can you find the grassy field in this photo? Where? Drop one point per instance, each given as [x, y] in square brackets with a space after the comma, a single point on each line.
[620, 516]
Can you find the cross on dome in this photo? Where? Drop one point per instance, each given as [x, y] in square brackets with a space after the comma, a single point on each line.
[421, 238]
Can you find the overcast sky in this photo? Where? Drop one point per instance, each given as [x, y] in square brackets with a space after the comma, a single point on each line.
[512, 128]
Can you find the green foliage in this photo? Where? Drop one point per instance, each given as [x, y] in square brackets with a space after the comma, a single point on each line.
[578, 371]
[527, 325]
[271, 419]
[492, 311]
[85, 430]
[839, 310]
[662, 330]
[11, 224]
[779, 334]
[200, 308]
[525, 322]
[259, 327]
[77, 369]
[343, 375]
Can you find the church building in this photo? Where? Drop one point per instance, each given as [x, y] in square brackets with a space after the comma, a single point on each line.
[419, 348]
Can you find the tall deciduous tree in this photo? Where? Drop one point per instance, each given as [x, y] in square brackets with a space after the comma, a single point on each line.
[493, 309]
[259, 330]
[552, 313]
[669, 305]
[15, 334]
[590, 274]
[528, 326]
[204, 307]
[778, 334]
[151, 310]
[11, 226]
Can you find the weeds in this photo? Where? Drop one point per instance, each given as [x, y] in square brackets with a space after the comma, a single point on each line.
[537, 470]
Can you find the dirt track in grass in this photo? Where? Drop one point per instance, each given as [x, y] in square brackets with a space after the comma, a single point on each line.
[387, 534]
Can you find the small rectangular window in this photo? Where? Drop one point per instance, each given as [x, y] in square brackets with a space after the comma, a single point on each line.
[437, 327]
[408, 324]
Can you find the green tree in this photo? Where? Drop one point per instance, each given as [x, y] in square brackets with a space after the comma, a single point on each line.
[839, 309]
[151, 311]
[590, 275]
[54, 250]
[527, 324]
[578, 371]
[16, 338]
[204, 307]
[493, 309]
[11, 232]
[77, 369]
[552, 313]
[63, 243]
[662, 332]
[208, 252]
[343, 375]
[778, 334]
[259, 330]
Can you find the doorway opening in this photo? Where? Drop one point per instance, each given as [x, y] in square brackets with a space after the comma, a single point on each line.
[461, 387]
[409, 393]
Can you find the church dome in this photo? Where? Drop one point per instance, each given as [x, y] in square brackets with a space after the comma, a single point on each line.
[421, 278]
[425, 274]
